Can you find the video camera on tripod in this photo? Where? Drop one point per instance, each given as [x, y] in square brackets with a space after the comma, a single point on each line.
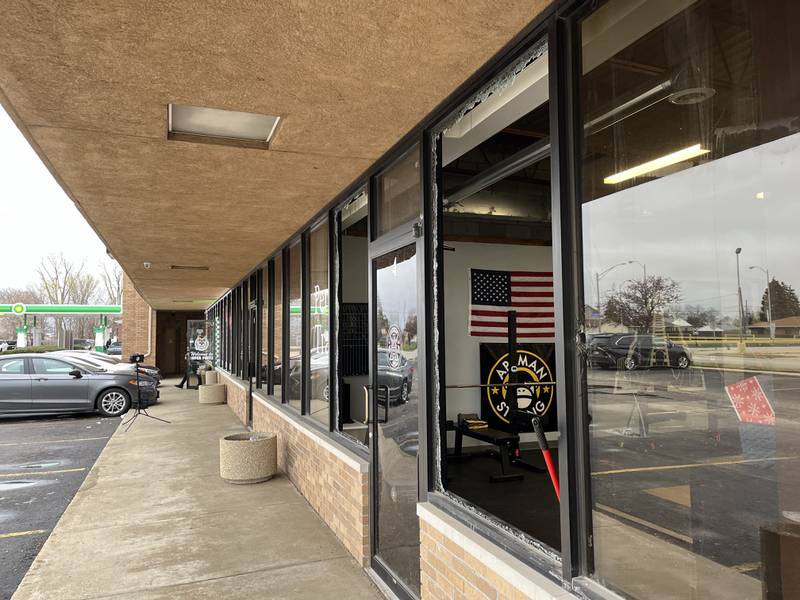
[136, 360]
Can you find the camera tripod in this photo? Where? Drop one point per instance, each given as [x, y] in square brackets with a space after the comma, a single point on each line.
[139, 410]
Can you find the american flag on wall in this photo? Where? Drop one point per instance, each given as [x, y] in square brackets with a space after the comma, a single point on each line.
[529, 293]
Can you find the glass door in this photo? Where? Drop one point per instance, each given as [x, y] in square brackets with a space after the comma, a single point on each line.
[395, 416]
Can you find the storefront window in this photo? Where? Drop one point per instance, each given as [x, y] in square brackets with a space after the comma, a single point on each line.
[319, 316]
[277, 334]
[352, 335]
[691, 152]
[263, 359]
[398, 201]
[497, 298]
[295, 376]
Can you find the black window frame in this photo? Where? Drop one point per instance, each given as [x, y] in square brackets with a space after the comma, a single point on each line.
[559, 24]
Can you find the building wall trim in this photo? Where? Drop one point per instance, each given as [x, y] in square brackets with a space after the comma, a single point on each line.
[526, 580]
[347, 457]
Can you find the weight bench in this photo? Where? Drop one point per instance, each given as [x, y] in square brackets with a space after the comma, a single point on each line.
[507, 446]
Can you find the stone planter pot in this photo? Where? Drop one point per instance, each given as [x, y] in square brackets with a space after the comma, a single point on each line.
[208, 377]
[249, 457]
[213, 393]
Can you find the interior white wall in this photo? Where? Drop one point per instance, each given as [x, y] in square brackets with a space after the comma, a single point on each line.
[462, 351]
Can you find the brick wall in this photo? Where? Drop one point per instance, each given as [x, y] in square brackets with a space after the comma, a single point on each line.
[456, 563]
[135, 316]
[333, 481]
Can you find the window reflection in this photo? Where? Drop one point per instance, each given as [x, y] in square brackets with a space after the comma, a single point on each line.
[263, 360]
[691, 151]
[319, 354]
[277, 334]
[293, 385]
[398, 201]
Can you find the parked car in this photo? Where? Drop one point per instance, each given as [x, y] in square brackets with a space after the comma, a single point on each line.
[110, 363]
[81, 344]
[54, 384]
[114, 349]
[630, 351]
[397, 379]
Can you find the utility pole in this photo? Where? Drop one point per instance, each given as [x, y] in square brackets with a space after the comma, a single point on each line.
[741, 307]
[769, 300]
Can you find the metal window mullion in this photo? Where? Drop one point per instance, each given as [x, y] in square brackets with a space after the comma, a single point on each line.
[305, 323]
[438, 431]
[333, 303]
[234, 332]
[425, 275]
[271, 327]
[259, 332]
[285, 315]
[571, 401]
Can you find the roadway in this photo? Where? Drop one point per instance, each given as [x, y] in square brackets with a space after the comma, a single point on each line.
[43, 462]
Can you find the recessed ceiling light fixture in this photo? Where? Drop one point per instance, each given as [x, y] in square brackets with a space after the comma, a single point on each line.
[188, 267]
[656, 164]
[217, 126]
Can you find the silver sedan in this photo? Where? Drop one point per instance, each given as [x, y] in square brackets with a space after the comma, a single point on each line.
[45, 384]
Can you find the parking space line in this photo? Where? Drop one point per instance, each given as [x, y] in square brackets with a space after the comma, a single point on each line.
[619, 513]
[29, 473]
[744, 461]
[22, 533]
[91, 439]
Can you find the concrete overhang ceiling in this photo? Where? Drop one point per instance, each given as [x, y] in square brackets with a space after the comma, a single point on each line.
[88, 83]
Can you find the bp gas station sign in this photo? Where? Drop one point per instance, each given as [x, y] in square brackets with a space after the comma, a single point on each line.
[74, 310]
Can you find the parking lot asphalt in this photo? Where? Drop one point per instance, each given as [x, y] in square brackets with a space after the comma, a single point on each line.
[43, 462]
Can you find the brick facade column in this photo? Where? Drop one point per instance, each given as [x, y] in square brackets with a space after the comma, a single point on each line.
[138, 324]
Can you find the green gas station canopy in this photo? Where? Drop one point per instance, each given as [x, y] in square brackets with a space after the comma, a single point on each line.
[60, 309]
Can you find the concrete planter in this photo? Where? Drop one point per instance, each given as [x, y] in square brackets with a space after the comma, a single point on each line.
[250, 457]
[213, 393]
[208, 377]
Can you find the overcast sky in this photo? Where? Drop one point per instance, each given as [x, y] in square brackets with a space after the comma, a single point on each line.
[36, 216]
[688, 225]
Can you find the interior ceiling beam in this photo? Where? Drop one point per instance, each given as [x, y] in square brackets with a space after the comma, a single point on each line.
[528, 133]
[517, 178]
[506, 167]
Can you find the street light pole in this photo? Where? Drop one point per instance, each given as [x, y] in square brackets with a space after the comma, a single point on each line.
[769, 299]
[741, 309]
[597, 277]
[644, 268]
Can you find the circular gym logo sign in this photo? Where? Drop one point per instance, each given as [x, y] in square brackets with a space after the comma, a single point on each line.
[395, 338]
[201, 342]
[530, 368]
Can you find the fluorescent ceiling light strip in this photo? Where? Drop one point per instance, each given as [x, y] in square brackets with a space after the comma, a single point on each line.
[656, 164]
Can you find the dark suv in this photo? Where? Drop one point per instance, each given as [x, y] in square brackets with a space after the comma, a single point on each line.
[629, 351]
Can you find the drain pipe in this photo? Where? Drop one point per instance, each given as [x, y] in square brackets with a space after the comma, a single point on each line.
[149, 331]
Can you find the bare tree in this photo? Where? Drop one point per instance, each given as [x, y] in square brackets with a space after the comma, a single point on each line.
[56, 279]
[636, 303]
[9, 323]
[64, 282]
[111, 279]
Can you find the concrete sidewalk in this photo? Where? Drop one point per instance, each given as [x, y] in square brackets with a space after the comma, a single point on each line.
[154, 520]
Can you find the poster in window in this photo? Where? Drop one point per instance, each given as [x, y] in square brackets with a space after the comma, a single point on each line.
[534, 370]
